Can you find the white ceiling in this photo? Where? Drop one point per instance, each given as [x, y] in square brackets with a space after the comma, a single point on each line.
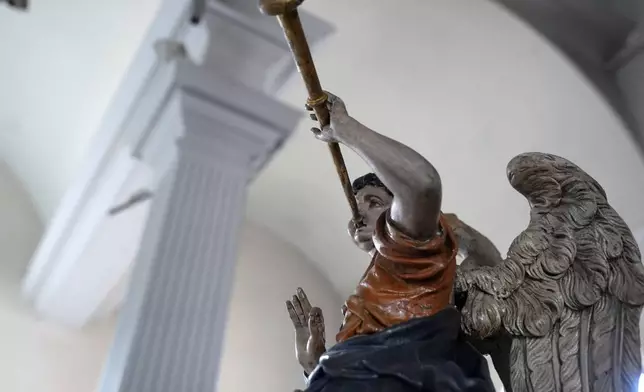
[61, 63]
[461, 81]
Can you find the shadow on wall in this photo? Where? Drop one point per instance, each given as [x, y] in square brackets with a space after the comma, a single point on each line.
[605, 39]
[36, 355]
[20, 227]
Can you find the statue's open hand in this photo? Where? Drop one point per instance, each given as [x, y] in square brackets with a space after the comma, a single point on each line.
[339, 118]
[310, 337]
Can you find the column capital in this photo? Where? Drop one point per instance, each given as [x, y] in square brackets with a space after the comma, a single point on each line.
[213, 118]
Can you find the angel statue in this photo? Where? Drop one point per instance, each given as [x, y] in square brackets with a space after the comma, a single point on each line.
[559, 313]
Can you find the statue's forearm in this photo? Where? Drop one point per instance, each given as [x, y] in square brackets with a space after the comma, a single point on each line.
[414, 182]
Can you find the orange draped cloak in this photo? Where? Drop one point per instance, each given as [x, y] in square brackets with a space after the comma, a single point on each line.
[407, 279]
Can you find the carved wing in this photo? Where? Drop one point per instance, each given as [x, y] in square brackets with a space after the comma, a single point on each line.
[570, 291]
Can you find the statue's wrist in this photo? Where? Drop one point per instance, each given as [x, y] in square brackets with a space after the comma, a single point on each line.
[345, 129]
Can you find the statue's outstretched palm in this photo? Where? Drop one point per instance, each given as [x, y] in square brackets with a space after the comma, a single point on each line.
[310, 337]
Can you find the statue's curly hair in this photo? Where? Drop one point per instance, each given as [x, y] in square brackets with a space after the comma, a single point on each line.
[369, 179]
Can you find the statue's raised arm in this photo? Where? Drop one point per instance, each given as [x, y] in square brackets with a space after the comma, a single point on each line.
[413, 181]
[400, 331]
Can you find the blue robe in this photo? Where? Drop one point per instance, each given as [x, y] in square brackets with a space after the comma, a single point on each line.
[424, 354]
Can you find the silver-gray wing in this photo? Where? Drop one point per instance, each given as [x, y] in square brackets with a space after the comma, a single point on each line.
[571, 290]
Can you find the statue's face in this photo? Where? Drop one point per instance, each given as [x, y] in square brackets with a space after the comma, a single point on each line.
[372, 202]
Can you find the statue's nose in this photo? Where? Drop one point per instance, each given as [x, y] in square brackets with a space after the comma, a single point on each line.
[361, 222]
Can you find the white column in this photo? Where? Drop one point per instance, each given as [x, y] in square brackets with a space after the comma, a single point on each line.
[180, 321]
[171, 328]
[87, 253]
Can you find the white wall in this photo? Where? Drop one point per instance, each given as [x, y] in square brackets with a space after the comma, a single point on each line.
[36, 355]
[67, 59]
[259, 349]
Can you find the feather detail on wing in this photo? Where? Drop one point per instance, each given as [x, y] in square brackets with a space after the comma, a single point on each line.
[571, 289]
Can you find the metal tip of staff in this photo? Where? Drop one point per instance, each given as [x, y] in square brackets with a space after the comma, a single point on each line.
[198, 10]
[278, 7]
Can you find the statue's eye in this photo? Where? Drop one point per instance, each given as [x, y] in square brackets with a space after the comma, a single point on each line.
[375, 203]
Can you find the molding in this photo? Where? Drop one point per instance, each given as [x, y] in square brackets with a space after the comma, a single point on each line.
[70, 212]
[131, 136]
[633, 47]
[98, 255]
[42, 276]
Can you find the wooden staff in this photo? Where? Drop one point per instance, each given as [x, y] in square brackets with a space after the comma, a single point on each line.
[289, 19]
